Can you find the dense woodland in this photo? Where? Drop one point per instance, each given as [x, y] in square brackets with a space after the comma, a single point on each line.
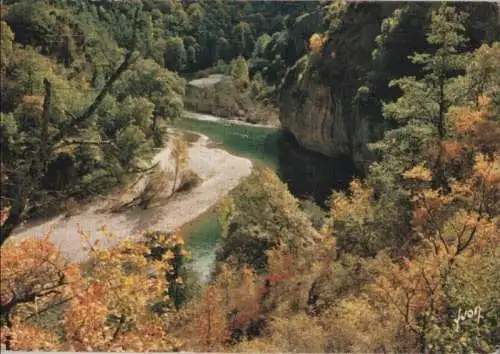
[88, 89]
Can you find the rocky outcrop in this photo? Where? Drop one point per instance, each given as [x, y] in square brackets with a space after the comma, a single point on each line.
[318, 117]
[326, 100]
[222, 96]
[331, 101]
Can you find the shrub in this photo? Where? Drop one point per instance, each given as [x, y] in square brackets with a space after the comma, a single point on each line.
[189, 180]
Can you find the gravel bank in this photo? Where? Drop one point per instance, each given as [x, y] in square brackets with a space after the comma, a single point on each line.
[221, 172]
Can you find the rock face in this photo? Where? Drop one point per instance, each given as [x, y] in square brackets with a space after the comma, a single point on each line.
[318, 119]
[326, 100]
[331, 101]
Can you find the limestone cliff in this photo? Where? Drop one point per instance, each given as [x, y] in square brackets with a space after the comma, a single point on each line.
[318, 119]
[331, 101]
[323, 101]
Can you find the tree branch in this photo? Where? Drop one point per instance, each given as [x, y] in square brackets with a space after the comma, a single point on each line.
[18, 206]
[107, 87]
[66, 142]
[128, 60]
[49, 307]
[144, 170]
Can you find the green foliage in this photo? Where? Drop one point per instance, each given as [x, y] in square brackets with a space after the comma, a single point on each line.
[7, 39]
[136, 110]
[161, 87]
[132, 144]
[315, 213]
[261, 45]
[239, 71]
[174, 252]
[75, 50]
[262, 214]
[175, 54]
[434, 92]
[257, 86]
[243, 38]
[424, 125]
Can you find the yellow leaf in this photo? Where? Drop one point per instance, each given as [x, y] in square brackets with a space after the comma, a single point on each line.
[169, 255]
[418, 172]
[316, 42]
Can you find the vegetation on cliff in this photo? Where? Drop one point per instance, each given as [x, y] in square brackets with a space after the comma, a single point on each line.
[331, 100]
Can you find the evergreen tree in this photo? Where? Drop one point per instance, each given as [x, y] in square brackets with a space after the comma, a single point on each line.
[175, 54]
[421, 109]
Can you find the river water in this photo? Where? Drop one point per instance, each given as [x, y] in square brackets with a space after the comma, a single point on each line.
[256, 143]
[307, 174]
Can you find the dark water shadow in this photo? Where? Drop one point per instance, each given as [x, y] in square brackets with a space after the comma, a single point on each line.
[313, 175]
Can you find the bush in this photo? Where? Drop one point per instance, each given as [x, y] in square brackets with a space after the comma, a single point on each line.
[156, 183]
[189, 180]
[220, 68]
[315, 213]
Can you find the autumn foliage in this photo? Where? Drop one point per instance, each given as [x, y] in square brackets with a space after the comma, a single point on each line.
[316, 42]
[354, 289]
[401, 254]
[106, 305]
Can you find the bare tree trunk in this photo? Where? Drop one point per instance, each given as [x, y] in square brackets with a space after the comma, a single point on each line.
[44, 134]
[176, 174]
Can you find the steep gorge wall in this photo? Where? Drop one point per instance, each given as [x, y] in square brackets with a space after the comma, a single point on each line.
[319, 103]
[331, 101]
[319, 119]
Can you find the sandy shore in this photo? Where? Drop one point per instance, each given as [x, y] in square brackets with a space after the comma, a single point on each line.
[211, 118]
[208, 81]
[221, 172]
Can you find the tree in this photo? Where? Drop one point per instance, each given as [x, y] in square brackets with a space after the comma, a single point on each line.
[137, 111]
[421, 113]
[180, 155]
[160, 86]
[132, 144]
[33, 271]
[356, 221]
[212, 330]
[175, 54]
[239, 71]
[243, 39]
[175, 252]
[26, 175]
[260, 45]
[435, 92]
[7, 37]
[109, 309]
[261, 214]
[245, 309]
